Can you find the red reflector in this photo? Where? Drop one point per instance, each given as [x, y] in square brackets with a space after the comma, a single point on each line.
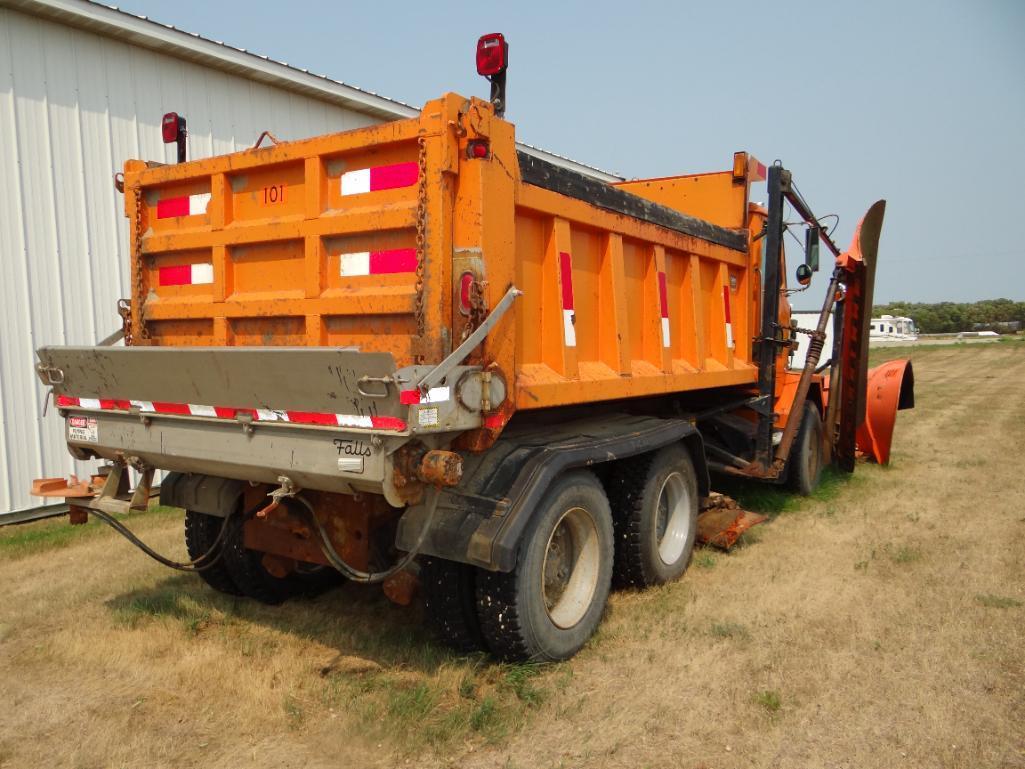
[492, 54]
[478, 149]
[169, 127]
[409, 397]
[465, 287]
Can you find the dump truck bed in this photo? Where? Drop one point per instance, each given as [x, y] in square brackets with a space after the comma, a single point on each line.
[398, 239]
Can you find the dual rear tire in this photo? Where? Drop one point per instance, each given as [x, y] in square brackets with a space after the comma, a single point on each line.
[579, 542]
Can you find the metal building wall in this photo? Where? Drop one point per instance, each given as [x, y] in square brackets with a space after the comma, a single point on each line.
[73, 106]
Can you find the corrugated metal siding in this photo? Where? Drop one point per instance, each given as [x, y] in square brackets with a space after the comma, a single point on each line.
[73, 106]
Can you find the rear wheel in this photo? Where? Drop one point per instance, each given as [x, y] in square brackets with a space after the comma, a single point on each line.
[201, 531]
[655, 510]
[551, 603]
[450, 603]
[806, 456]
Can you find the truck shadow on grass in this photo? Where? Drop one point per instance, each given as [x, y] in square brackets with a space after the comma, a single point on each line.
[773, 500]
[353, 619]
[350, 650]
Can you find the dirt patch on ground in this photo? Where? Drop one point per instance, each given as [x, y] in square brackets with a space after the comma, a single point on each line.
[879, 625]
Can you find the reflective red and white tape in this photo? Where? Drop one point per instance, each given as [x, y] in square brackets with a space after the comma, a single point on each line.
[568, 313]
[433, 395]
[663, 307]
[380, 178]
[186, 275]
[185, 205]
[377, 262]
[726, 311]
[221, 412]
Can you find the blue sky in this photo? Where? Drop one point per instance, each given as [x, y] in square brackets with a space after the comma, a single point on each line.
[921, 103]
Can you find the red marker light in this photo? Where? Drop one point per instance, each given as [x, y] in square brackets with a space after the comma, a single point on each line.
[170, 126]
[478, 150]
[492, 54]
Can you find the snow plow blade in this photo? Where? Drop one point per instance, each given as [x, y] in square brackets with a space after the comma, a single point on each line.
[722, 521]
[891, 388]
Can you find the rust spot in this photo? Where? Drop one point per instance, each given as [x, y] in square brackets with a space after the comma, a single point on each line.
[722, 521]
[441, 468]
[401, 587]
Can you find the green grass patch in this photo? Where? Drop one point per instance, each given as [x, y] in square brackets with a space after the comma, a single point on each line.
[769, 699]
[903, 553]
[731, 630]
[294, 712]
[24, 539]
[521, 680]
[772, 500]
[133, 610]
[991, 601]
[464, 700]
[705, 559]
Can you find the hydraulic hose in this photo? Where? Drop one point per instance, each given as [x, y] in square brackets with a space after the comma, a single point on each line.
[203, 562]
[366, 577]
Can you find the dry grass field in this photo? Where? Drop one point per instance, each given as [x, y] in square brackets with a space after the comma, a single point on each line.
[881, 624]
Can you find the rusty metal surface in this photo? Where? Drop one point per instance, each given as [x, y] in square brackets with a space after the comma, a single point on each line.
[722, 522]
[62, 487]
[351, 522]
[441, 468]
[400, 588]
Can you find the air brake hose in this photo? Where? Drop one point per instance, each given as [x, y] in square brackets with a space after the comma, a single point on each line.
[205, 561]
[366, 577]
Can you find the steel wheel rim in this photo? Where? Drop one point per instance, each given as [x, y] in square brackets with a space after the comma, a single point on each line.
[672, 519]
[569, 574]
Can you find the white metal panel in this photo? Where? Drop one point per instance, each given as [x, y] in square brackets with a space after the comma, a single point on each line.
[74, 106]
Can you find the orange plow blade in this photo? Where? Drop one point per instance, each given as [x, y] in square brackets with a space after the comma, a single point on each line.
[891, 387]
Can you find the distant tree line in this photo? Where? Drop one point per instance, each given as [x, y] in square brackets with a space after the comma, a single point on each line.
[951, 317]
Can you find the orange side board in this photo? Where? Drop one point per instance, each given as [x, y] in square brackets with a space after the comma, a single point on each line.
[362, 238]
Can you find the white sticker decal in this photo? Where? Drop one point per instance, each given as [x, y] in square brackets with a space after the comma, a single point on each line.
[83, 430]
[428, 417]
[436, 395]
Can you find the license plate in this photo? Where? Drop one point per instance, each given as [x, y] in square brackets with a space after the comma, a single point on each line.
[83, 430]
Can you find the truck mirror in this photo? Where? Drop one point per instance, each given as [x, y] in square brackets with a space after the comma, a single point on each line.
[811, 248]
[804, 273]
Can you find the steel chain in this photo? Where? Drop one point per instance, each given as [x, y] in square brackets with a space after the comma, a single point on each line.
[124, 309]
[478, 309]
[138, 293]
[421, 246]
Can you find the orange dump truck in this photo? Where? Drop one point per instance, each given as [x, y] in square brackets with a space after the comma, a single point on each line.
[410, 349]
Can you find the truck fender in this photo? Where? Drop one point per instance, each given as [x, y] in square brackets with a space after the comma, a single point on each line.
[482, 522]
[201, 493]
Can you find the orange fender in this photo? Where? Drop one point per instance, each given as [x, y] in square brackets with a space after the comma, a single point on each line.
[891, 387]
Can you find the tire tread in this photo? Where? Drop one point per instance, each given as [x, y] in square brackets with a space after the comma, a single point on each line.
[201, 531]
[450, 604]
